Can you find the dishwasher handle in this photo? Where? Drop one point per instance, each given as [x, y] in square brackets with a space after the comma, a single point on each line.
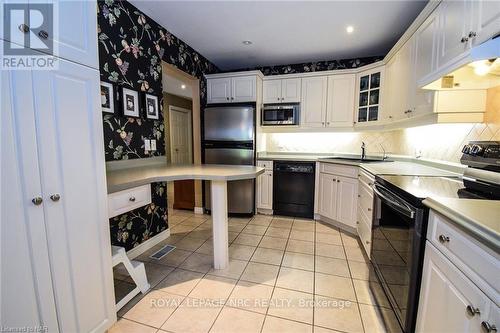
[393, 201]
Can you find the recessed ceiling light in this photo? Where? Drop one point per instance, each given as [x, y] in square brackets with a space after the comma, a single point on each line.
[183, 86]
[349, 29]
[247, 42]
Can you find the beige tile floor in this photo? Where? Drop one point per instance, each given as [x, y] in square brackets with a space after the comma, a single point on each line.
[284, 275]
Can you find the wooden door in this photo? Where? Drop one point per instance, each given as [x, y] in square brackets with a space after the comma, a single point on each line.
[25, 277]
[244, 89]
[340, 105]
[219, 90]
[181, 144]
[290, 90]
[271, 91]
[70, 142]
[445, 295]
[313, 102]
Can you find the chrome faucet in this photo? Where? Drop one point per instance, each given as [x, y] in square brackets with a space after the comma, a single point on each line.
[384, 156]
[363, 150]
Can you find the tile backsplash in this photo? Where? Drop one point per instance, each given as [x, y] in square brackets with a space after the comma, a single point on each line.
[437, 142]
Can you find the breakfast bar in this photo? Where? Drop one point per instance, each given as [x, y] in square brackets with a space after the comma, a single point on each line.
[121, 179]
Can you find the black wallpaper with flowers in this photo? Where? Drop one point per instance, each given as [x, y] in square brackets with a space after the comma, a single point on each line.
[131, 47]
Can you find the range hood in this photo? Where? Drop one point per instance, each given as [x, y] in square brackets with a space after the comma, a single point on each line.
[478, 68]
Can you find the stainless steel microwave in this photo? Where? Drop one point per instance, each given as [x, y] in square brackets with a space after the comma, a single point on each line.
[280, 114]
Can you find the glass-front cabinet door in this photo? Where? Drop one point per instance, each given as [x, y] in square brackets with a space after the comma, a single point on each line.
[369, 94]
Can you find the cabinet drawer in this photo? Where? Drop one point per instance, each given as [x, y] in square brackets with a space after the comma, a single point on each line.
[365, 200]
[462, 250]
[364, 232]
[268, 165]
[341, 170]
[127, 200]
[366, 178]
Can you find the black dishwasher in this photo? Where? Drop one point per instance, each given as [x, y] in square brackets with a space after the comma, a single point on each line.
[293, 189]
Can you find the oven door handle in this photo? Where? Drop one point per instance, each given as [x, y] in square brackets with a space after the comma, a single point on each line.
[396, 204]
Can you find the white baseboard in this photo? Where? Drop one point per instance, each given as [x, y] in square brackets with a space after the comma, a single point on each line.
[340, 225]
[265, 211]
[198, 210]
[144, 246]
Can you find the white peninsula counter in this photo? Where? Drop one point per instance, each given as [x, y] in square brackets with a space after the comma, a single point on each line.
[123, 178]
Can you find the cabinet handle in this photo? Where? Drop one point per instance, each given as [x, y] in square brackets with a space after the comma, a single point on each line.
[464, 40]
[227, 98]
[132, 199]
[338, 181]
[359, 196]
[43, 34]
[472, 311]
[369, 209]
[487, 327]
[37, 201]
[23, 28]
[55, 197]
[472, 34]
[443, 239]
[328, 123]
[282, 98]
[278, 98]
[367, 242]
[232, 98]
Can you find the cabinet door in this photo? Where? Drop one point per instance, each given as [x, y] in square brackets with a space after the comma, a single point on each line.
[70, 141]
[313, 103]
[426, 43]
[369, 95]
[272, 91]
[327, 205]
[454, 24]
[219, 90]
[347, 200]
[290, 90]
[493, 320]
[76, 37]
[244, 89]
[25, 277]
[445, 295]
[486, 20]
[340, 105]
[265, 190]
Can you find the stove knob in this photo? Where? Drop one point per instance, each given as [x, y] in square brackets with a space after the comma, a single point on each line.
[466, 149]
[476, 150]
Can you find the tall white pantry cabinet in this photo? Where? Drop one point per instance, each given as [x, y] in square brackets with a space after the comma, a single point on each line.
[56, 270]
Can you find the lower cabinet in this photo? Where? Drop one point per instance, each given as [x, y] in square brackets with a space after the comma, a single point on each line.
[338, 198]
[265, 186]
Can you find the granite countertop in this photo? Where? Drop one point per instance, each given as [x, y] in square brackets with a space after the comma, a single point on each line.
[125, 178]
[479, 218]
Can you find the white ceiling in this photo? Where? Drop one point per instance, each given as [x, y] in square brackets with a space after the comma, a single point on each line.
[173, 85]
[283, 32]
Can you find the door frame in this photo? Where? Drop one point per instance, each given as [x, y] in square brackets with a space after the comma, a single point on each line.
[173, 108]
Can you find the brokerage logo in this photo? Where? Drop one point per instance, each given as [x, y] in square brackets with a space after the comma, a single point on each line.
[28, 36]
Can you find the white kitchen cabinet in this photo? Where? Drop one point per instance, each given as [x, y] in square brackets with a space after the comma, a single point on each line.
[340, 103]
[244, 89]
[347, 193]
[426, 44]
[54, 185]
[265, 186]
[219, 90]
[327, 201]
[454, 25]
[369, 95]
[445, 295]
[232, 89]
[486, 20]
[313, 101]
[282, 91]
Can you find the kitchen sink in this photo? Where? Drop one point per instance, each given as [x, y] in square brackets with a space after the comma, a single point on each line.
[358, 159]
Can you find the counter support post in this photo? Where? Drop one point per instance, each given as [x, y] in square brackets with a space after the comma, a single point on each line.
[220, 223]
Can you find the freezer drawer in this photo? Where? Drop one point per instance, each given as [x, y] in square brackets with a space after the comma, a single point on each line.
[229, 123]
[231, 156]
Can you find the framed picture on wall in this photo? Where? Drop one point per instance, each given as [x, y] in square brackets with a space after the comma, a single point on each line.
[151, 106]
[130, 102]
[107, 97]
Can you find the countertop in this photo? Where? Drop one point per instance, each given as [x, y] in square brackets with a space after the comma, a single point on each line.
[125, 178]
[479, 218]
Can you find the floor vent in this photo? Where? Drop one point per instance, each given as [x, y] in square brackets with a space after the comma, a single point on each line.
[162, 252]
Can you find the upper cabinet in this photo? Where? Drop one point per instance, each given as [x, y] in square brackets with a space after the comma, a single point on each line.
[340, 101]
[232, 89]
[485, 20]
[282, 91]
[313, 102]
[369, 94]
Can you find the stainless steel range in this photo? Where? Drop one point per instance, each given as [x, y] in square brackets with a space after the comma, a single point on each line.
[400, 221]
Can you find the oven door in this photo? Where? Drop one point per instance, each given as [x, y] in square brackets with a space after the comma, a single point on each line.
[397, 252]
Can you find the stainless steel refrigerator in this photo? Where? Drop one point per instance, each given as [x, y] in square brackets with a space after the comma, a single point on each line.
[229, 138]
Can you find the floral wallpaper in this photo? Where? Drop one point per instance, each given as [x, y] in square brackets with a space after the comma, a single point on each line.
[315, 66]
[131, 48]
